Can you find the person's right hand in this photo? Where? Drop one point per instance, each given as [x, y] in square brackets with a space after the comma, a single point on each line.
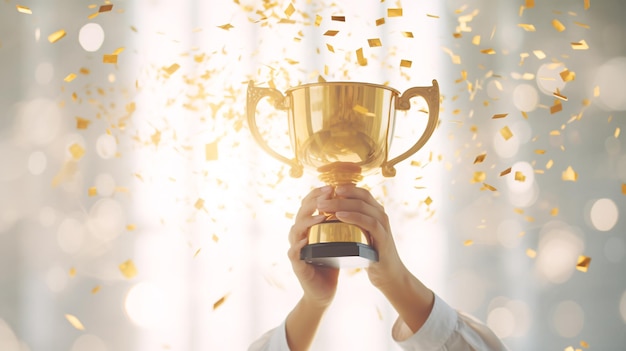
[318, 282]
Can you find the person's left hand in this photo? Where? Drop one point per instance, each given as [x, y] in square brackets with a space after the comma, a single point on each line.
[318, 282]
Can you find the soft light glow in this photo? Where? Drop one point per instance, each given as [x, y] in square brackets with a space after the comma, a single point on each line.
[70, 235]
[549, 78]
[144, 305]
[610, 78]
[558, 252]
[44, 73]
[105, 184]
[604, 214]
[106, 219]
[106, 146]
[37, 162]
[91, 37]
[568, 319]
[89, 342]
[501, 321]
[525, 97]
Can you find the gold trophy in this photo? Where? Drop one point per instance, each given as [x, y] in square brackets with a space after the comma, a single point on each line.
[343, 130]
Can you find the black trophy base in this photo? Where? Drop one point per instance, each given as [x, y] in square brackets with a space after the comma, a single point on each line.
[339, 254]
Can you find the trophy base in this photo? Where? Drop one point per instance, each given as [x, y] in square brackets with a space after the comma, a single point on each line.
[339, 254]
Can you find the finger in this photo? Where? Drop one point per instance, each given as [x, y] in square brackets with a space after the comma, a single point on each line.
[353, 192]
[294, 251]
[300, 229]
[309, 204]
[369, 224]
[350, 205]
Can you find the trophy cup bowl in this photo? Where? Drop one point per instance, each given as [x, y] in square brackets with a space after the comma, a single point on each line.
[343, 131]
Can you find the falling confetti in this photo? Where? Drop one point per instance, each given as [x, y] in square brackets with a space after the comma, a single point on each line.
[569, 175]
[199, 204]
[105, 8]
[219, 302]
[468, 242]
[581, 45]
[210, 151]
[75, 322]
[480, 158]
[506, 133]
[77, 151]
[24, 9]
[394, 12]
[374, 42]
[558, 25]
[531, 253]
[128, 269]
[583, 263]
[56, 36]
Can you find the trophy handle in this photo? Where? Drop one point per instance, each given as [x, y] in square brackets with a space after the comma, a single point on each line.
[255, 94]
[431, 95]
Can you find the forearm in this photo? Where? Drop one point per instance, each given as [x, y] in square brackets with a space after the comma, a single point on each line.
[411, 299]
[302, 323]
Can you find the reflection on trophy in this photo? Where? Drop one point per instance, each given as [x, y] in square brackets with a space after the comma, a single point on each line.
[342, 130]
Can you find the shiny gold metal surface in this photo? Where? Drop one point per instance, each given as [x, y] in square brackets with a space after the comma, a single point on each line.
[336, 231]
[342, 130]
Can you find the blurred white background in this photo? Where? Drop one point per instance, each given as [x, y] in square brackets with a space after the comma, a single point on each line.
[136, 213]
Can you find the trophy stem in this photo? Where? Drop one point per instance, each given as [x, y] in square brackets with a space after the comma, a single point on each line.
[332, 242]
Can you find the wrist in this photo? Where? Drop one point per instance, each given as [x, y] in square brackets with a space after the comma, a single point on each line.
[315, 303]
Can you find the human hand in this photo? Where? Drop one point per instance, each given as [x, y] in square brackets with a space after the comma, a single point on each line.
[357, 206]
[318, 282]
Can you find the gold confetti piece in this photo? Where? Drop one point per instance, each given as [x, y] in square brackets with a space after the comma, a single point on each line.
[567, 75]
[95, 289]
[109, 58]
[406, 63]
[199, 204]
[24, 9]
[480, 158]
[569, 174]
[407, 34]
[476, 40]
[72, 272]
[581, 45]
[394, 12]
[92, 191]
[360, 58]
[527, 27]
[197, 252]
[118, 50]
[431, 16]
[380, 21]
[506, 133]
[219, 302]
[489, 187]
[596, 91]
[84, 71]
[226, 26]
[374, 42]
[479, 177]
[74, 322]
[105, 8]
[82, 123]
[93, 15]
[338, 18]
[128, 269]
[331, 33]
[330, 48]
[171, 69]
[558, 25]
[584, 344]
[468, 242]
[586, 26]
[505, 172]
[215, 238]
[488, 51]
[554, 211]
[70, 77]
[616, 133]
[501, 115]
[557, 107]
[587, 4]
[529, 4]
[428, 201]
[77, 151]
[131, 227]
[290, 10]
[569, 348]
[583, 263]
[529, 219]
[531, 253]
[540, 151]
[156, 138]
[210, 151]
[519, 176]
[318, 20]
[539, 54]
[558, 94]
[56, 36]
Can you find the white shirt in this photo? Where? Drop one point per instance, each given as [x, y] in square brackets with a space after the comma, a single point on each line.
[444, 330]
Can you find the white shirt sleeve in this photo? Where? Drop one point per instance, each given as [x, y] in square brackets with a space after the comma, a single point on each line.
[446, 329]
[273, 340]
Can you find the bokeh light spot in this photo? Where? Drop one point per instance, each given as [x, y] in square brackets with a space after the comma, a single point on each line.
[525, 97]
[568, 319]
[604, 214]
[91, 37]
[501, 321]
[37, 163]
[549, 78]
[144, 304]
[610, 78]
[106, 146]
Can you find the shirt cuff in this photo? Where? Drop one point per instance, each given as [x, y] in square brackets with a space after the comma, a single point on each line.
[273, 340]
[433, 334]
